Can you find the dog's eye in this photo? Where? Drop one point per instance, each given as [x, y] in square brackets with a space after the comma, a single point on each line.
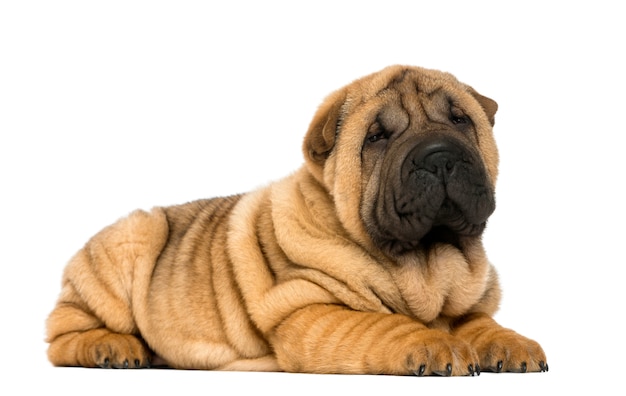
[459, 120]
[377, 137]
[458, 117]
[376, 133]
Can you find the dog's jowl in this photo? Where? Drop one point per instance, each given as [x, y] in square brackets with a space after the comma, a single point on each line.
[368, 259]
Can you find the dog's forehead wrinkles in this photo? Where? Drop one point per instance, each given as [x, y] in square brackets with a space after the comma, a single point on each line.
[394, 117]
[395, 82]
[404, 89]
[422, 96]
[419, 105]
[400, 78]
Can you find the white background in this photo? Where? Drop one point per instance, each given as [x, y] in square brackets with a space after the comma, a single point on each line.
[110, 106]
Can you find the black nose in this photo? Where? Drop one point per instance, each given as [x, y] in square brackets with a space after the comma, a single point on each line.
[437, 155]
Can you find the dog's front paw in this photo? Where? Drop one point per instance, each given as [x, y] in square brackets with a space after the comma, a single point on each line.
[438, 353]
[501, 349]
[505, 350]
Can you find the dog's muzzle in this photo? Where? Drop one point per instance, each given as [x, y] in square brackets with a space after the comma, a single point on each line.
[442, 184]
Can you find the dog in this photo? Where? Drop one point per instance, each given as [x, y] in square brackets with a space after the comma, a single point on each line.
[367, 260]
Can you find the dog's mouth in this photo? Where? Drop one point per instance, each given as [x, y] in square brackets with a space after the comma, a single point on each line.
[449, 234]
[440, 234]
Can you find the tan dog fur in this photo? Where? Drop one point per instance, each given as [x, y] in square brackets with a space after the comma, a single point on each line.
[288, 277]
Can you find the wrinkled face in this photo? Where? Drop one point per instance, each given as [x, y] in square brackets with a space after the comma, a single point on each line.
[423, 176]
[422, 146]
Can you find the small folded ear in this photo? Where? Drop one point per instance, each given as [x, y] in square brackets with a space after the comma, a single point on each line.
[320, 138]
[489, 105]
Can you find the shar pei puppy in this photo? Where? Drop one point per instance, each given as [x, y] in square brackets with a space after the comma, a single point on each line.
[368, 259]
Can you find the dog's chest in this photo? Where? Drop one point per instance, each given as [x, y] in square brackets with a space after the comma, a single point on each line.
[442, 282]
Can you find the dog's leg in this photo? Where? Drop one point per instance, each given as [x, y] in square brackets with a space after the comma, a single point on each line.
[334, 339]
[103, 296]
[500, 349]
